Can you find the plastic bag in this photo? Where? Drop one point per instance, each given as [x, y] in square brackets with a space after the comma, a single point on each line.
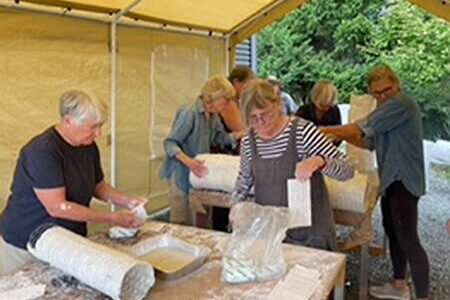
[254, 252]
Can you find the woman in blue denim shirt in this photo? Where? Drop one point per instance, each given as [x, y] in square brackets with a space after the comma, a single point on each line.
[195, 127]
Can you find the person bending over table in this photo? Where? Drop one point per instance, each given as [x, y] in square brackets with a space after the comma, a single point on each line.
[232, 121]
[394, 130]
[322, 110]
[195, 127]
[280, 147]
[57, 174]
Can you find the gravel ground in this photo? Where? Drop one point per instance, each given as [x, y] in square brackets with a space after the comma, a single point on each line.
[434, 210]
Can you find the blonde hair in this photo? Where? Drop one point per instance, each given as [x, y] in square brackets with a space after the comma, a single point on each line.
[324, 93]
[257, 94]
[217, 87]
[382, 72]
[81, 107]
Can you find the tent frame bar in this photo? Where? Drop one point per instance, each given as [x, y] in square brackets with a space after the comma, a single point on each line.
[113, 44]
[59, 11]
[169, 28]
[109, 18]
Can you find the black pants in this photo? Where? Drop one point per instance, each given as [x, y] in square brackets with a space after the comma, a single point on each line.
[220, 218]
[399, 209]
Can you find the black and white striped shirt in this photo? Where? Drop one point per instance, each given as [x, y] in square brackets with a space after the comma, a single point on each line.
[309, 142]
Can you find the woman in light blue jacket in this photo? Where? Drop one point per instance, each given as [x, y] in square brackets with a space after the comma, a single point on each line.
[195, 127]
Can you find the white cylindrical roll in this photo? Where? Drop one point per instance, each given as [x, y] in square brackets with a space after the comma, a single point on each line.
[114, 273]
[222, 172]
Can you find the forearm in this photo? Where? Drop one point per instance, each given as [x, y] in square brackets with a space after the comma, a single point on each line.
[360, 142]
[245, 179]
[76, 212]
[346, 132]
[239, 195]
[183, 158]
[107, 193]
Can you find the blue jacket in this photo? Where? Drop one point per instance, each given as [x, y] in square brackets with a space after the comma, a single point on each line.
[193, 134]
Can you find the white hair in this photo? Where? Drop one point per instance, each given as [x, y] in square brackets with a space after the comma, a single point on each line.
[81, 107]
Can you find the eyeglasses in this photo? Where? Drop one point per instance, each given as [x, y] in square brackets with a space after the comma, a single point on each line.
[382, 92]
[262, 117]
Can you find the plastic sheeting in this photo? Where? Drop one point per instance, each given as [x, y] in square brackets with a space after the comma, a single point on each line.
[363, 160]
[350, 195]
[188, 78]
[157, 73]
[41, 56]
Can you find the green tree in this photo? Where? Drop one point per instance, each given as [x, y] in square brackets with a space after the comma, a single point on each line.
[341, 40]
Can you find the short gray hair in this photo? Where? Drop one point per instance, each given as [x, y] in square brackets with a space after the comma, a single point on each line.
[324, 93]
[81, 107]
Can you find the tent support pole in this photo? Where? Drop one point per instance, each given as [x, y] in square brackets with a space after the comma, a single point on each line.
[227, 55]
[114, 91]
[113, 100]
[113, 57]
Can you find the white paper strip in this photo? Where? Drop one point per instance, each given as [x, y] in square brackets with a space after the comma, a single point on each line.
[24, 293]
[299, 202]
[300, 283]
[140, 212]
[114, 273]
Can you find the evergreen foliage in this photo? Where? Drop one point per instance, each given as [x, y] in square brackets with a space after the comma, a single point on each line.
[341, 40]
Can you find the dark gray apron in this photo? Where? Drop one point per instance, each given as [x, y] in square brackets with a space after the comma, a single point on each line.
[271, 177]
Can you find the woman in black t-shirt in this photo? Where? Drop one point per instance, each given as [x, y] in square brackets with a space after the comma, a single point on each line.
[322, 110]
[57, 174]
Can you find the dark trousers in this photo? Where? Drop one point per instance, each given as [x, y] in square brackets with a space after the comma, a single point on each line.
[220, 218]
[399, 209]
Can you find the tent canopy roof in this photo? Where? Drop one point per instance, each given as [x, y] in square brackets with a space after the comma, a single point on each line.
[235, 17]
[214, 15]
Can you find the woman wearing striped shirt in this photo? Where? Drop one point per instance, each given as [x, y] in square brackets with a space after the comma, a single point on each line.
[280, 147]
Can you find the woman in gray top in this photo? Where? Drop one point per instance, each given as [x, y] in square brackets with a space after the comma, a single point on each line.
[394, 130]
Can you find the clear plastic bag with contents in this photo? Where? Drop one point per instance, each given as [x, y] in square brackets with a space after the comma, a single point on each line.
[254, 252]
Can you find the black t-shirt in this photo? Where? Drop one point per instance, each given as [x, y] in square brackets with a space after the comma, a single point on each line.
[332, 116]
[46, 162]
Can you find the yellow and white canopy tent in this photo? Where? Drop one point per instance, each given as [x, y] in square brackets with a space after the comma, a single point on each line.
[143, 57]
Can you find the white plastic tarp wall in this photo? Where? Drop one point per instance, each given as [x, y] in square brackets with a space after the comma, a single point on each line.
[166, 71]
[42, 55]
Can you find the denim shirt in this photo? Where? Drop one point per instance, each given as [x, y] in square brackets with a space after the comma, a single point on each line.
[192, 134]
[394, 129]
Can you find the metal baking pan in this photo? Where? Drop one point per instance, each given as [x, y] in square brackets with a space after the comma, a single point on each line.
[171, 257]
